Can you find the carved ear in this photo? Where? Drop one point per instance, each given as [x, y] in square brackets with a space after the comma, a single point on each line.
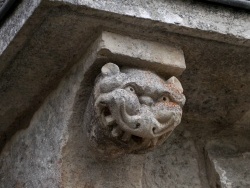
[173, 80]
[110, 69]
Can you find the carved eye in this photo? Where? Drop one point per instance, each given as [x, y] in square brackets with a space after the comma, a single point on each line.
[164, 98]
[130, 89]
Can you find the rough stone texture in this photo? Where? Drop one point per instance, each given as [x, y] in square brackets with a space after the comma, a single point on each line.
[175, 164]
[244, 122]
[189, 14]
[131, 110]
[165, 167]
[41, 54]
[232, 171]
[33, 156]
[228, 160]
[54, 35]
[166, 59]
[81, 169]
[53, 150]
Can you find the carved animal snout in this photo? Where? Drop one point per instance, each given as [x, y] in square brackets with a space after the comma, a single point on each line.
[163, 113]
[145, 124]
[146, 100]
[134, 110]
[138, 116]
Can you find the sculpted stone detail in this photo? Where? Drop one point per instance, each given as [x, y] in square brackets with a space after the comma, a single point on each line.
[131, 110]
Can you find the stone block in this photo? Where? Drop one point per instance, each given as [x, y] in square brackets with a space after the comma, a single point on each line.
[228, 162]
[163, 58]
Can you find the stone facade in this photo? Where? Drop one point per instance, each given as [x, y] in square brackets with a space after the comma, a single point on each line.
[51, 53]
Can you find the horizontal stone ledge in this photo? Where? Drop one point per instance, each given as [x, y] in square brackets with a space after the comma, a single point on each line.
[126, 51]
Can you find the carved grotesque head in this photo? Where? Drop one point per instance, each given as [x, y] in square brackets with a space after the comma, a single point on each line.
[131, 110]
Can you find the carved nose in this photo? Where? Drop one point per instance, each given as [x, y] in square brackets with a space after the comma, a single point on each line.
[146, 100]
[163, 117]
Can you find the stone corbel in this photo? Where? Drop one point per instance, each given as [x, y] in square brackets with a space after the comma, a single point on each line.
[136, 101]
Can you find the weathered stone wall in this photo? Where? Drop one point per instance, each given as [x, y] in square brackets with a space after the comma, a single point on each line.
[33, 157]
[53, 151]
[41, 90]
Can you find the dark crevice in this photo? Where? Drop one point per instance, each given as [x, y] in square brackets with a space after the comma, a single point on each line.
[137, 139]
[106, 112]
[242, 4]
[7, 7]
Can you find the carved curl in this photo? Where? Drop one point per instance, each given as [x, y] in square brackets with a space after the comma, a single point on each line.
[131, 110]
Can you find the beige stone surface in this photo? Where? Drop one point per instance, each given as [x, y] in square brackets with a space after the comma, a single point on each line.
[131, 110]
[55, 35]
[175, 164]
[41, 40]
[33, 157]
[53, 150]
[165, 58]
[228, 160]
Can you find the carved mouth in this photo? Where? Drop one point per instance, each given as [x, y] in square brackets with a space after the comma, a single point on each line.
[116, 132]
[107, 118]
[125, 137]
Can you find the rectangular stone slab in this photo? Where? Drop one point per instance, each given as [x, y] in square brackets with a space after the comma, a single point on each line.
[123, 50]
